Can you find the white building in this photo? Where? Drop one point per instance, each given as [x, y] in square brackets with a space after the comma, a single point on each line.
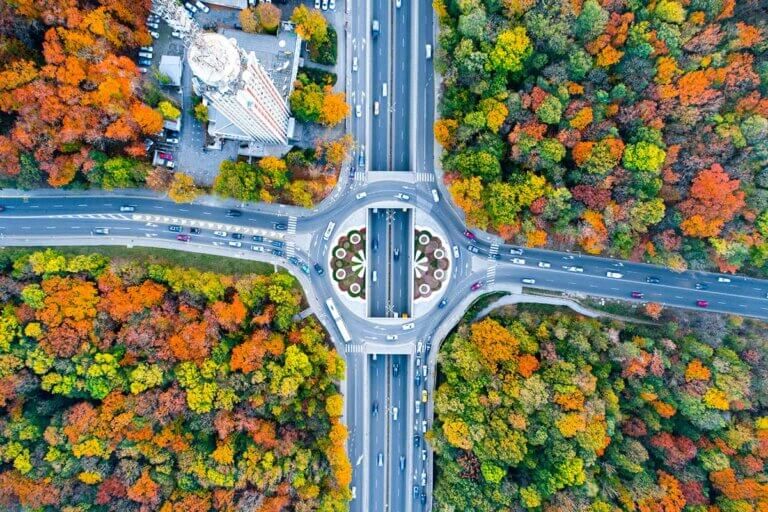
[236, 86]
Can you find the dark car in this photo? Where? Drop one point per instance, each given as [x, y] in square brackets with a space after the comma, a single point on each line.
[375, 245]
[469, 234]
[234, 213]
[702, 303]
[257, 238]
[442, 303]
[701, 286]
[473, 248]
[280, 226]
[637, 295]
[395, 369]
[294, 260]
[416, 440]
[423, 497]
[2, 208]
[183, 238]
[652, 279]
[237, 236]
[319, 269]
[277, 252]
[175, 228]
[375, 408]
[496, 256]
[145, 62]
[415, 491]
[428, 347]
[195, 231]
[277, 243]
[476, 286]
[417, 380]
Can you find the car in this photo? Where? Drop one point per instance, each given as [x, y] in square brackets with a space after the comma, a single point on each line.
[528, 280]
[495, 256]
[222, 234]
[235, 243]
[614, 275]
[200, 5]
[423, 498]
[234, 213]
[423, 477]
[354, 64]
[317, 4]
[279, 226]
[375, 408]
[127, 208]
[544, 264]
[473, 248]
[354, 492]
[361, 195]
[723, 279]
[396, 253]
[391, 337]
[191, 8]
[257, 238]
[428, 347]
[380, 459]
[374, 276]
[418, 406]
[398, 3]
[416, 440]
[172, 140]
[515, 252]
[652, 279]
[175, 228]
[476, 286]
[154, 35]
[637, 295]
[237, 236]
[195, 231]
[375, 244]
[165, 156]
[147, 49]
[257, 248]
[403, 197]
[469, 234]
[702, 303]
[169, 164]
[568, 257]
[375, 27]
[277, 252]
[277, 243]
[183, 238]
[176, 34]
[304, 268]
[361, 157]
[428, 51]
[424, 370]
[456, 253]
[701, 286]
[145, 55]
[408, 326]
[418, 347]
[418, 362]
[152, 24]
[319, 269]
[145, 62]
[415, 491]
[435, 196]
[332, 5]
[442, 303]
[395, 369]
[394, 413]
[423, 454]
[384, 89]
[518, 261]
[324, 5]
[424, 396]
[402, 463]
[100, 231]
[358, 110]
[142, 69]
[423, 426]
[573, 268]
[293, 260]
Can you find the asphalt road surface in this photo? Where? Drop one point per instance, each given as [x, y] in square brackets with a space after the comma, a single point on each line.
[379, 246]
[402, 245]
[401, 86]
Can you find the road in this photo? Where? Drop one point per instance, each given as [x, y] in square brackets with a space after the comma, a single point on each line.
[401, 86]
[400, 257]
[380, 64]
[378, 386]
[379, 247]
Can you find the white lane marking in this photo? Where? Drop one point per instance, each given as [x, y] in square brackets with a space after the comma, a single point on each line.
[34, 206]
[50, 227]
[25, 227]
[206, 213]
[58, 206]
[82, 205]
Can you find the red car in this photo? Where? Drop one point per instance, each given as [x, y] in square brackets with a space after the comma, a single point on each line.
[469, 234]
[637, 295]
[183, 238]
[476, 286]
[702, 303]
[165, 156]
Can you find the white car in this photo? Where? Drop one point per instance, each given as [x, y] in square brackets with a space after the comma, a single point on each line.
[233, 243]
[614, 275]
[435, 196]
[142, 70]
[518, 261]
[456, 251]
[394, 413]
[528, 280]
[222, 234]
[391, 337]
[358, 110]
[723, 279]
[332, 5]
[147, 49]
[172, 140]
[515, 252]
[153, 25]
[155, 35]
[317, 4]
[403, 197]
[545, 264]
[325, 5]
[573, 268]
[257, 248]
[418, 406]
[176, 34]
[354, 63]
[428, 49]
[360, 195]
[191, 8]
[398, 3]
[409, 326]
[200, 5]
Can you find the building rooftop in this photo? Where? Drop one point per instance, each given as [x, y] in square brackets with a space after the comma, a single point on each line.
[278, 55]
[233, 4]
[214, 59]
[170, 65]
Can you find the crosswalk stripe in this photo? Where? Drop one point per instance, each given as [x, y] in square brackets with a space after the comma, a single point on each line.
[353, 348]
[292, 221]
[425, 177]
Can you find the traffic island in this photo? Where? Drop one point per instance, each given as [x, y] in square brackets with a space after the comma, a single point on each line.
[431, 263]
[348, 263]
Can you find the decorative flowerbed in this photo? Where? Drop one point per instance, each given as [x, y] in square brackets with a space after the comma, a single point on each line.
[348, 263]
[430, 264]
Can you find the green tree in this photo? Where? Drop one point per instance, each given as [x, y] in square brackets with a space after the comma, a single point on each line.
[239, 180]
[168, 110]
[591, 21]
[29, 176]
[550, 110]
[644, 156]
[310, 23]
[510, 51]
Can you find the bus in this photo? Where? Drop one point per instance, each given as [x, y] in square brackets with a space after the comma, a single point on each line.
[332, 308]
[340, 325]
[329, 230]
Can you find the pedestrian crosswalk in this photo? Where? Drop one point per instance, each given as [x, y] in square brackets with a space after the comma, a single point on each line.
[353, 348]
[360, 176]
[490, 274]
[426, 177]
[290, 248]
[493, 250]
[292, 221]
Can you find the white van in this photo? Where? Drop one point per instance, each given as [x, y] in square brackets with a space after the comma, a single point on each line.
[360, 195]
[614, 275]
[384, 89]
[374, 276]
[429, 51]
[394, 413]
[329, 230]
[435, 196]
[375, 108]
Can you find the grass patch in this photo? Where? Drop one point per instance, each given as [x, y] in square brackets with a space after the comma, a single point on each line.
[149, 255]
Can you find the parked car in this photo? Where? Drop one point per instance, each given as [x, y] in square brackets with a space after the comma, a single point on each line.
[151, 24]
[183, 238]
[332, 4]
[172, 140]
[145, 55]
[145, 62]
[191, 8]
[317, 4]
[154, 35]
[200, 5]
[476, 286]
[142, 70]
[175, 228]
[176, 34]
[164, 155]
